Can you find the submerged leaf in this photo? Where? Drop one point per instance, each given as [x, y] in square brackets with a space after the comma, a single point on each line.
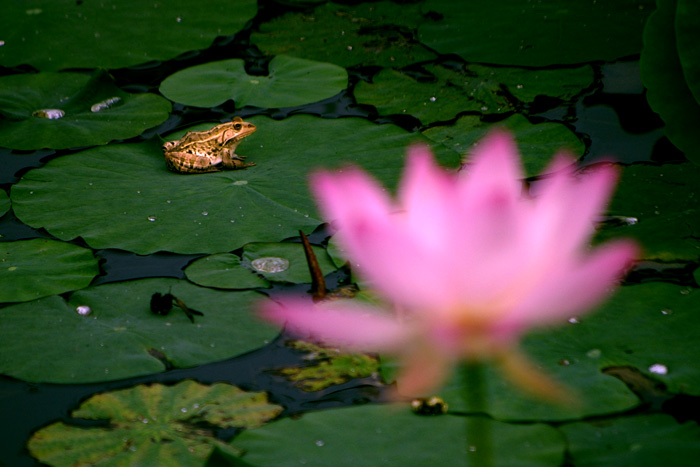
[152, 425]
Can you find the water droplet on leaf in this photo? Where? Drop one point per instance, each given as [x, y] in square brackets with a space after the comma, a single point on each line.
[270, 264]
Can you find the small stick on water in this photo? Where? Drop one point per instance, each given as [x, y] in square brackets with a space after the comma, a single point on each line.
[318, 282]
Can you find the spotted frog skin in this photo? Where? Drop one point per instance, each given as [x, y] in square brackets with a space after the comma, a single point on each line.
[209, 151]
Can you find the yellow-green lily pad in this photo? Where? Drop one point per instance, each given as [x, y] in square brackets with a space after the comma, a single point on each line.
[152, 425]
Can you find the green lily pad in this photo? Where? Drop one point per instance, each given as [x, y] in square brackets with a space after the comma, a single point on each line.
[284, 262]
[4, 203]
[476, 88]
[575, 354]
[64, 110]
[136, 204]
[56, 34]
[538, 33]
[687, 26]
[668, 93]
[121, 337]
[223, 271]
[537, 143]
[639, 441]
[664, 202]
[39, 267]
[393, 435]
[377, 33]
[327, 367]
[290, 82]
[152, 425]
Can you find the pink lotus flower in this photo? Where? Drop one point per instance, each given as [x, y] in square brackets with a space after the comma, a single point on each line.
[467, 262]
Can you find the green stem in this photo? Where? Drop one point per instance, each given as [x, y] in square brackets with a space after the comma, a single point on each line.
[479, 437]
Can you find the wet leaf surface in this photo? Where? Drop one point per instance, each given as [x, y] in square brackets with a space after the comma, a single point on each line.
[290, 82]
[122, 337]
[536, 34]
[64, 110]
[136, 204]
[392, 435]
[47, 33]
[376, 33]
[152, 425]
[31, 269]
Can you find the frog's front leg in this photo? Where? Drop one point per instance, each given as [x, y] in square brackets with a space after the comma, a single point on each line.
[231, 160]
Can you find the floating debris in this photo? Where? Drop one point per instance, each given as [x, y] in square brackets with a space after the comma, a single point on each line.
[83, 310]
[105, 104]
[51, 114]
[270, 264]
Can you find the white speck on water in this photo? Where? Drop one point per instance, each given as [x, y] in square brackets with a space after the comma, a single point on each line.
[178, 19]
[270, 264]
[666, 312]
[205, 213]
[183, 410]
[106, 370]
[433, 99]
[472, 448]
[319, 443]
[145, 420]
[83, 310]
[212, 345]
[2, 43]
[233, 220]
[573, 320]
[594, 353]
[349, 47]
[240, 182]
[152, 218]
[254, 81]
[519, 86]
[105, 104]
[168, 201]
[658, 369]
[51, 114]
[484, 108]
[168, 324]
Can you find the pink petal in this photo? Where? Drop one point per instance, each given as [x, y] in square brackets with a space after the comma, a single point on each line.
[566, 292]
[424, 371]
[349, 195]
[338, 323]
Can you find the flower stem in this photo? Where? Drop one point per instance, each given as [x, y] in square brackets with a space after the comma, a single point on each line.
[479, 438]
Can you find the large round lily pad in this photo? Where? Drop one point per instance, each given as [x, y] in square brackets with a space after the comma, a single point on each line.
[473, 88]
[152, 425]
[37, 268]
[392, 435]
[537, 143]
[374, 33]
[122, 337]
[63, 110]
[539, 33]
[651, 327]
[668, 92]
[122, 196]
[687, 26]
[55, 34]
[290, 82]
[636, 441]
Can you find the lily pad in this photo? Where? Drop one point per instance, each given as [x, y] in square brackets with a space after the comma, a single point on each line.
[537, 143]
[136, 204]
[666, 330]
[538, 33]
[637, 441]
[327, 367]
[121, 337]
[40, 267]
[664, 202]
[284, 262]
[687, 26]
[290, 82]
[4, 203]
[376, 33]
[64, 110]
[152, 425]
[393, 435]
[668, 93]
[56, 34]
[475, 88]
[223, 271]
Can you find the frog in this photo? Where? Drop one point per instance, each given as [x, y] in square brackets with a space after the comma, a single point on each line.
[209, 151]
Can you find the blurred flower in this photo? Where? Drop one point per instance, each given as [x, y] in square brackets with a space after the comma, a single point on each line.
[467, 262]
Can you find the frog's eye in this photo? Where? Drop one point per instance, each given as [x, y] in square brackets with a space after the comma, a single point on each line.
[237, 126]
